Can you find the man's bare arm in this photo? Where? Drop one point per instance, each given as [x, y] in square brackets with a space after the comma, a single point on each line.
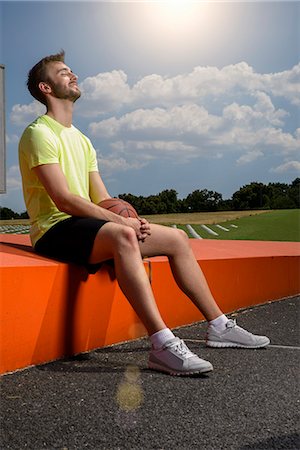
[55, 183]
[98, 191]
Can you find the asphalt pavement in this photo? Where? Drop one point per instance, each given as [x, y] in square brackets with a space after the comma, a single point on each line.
[108, 399]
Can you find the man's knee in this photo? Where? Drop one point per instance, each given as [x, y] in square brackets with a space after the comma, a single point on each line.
[128, 234]
[113, 239]
[126, 237]
[181, 241]
[180, 236]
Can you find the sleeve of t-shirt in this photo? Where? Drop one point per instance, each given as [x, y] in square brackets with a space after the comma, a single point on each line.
[40, 147]
[93, 163]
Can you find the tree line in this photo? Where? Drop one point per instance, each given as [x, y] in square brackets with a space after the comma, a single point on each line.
[251, 196]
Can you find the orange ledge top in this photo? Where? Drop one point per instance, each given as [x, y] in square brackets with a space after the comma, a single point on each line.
[16, 250]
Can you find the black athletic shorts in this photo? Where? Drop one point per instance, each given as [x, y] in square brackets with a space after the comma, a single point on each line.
[71, 240]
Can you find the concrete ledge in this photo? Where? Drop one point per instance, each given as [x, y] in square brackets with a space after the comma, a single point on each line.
[50, 309]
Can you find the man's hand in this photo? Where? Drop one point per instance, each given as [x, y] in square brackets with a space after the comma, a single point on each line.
[140, 226]
[145, 229]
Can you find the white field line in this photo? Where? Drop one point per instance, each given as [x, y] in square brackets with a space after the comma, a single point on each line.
[234, 226]
[222, 228]
[14, 229]
[209, 230]
[193, 232]
[290, 347]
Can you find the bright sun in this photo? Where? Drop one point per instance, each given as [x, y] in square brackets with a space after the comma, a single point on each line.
[173, 26]
[178, 6]
[178, 12]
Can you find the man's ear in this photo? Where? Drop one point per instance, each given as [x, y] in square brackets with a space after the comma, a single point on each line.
[44, 87]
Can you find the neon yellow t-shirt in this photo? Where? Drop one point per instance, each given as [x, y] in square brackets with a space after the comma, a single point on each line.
[46, 141]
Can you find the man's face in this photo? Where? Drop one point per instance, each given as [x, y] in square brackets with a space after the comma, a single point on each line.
[63, 81]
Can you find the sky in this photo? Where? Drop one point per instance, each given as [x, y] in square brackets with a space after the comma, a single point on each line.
[175, 95]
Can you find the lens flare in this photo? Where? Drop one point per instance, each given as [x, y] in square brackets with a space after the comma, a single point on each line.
[130, 394]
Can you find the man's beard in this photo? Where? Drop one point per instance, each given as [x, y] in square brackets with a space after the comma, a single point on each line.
[66, 94]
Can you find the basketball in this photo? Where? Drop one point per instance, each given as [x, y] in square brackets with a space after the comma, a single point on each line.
[120, 207]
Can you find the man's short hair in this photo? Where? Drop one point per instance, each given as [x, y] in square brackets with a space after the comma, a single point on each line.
[38, 73]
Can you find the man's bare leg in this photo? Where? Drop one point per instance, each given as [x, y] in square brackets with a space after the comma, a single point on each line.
[174, 243]
[168, 353]
[121, 244]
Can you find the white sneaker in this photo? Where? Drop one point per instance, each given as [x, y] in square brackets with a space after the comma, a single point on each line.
[234, 336]
[175, 358]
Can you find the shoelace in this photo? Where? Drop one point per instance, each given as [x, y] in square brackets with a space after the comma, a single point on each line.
[182, 349]
[232, 323]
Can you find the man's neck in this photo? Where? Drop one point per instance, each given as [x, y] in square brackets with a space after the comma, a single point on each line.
[62, 112]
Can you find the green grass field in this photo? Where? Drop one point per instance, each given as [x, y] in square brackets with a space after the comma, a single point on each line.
[281, 225]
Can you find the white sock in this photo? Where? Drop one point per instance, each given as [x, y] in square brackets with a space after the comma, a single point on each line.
[219, 323]
[159, 338]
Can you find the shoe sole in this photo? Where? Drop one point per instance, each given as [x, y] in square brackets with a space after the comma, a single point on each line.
[159, 368]
[233, 345]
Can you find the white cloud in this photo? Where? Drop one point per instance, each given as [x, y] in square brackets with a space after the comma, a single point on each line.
[110, 91]
[12, 139]
[133, 155]
[24, 114]
[290, 166]
[109, 165]
[195, 86]
[13, 178]
[206, 112]
[284, 84]
[237, 128]
[103, 93]
[263, 112]
[249, 157]
[177, 151]
[264, 107]
[176, 121]
[106, 128]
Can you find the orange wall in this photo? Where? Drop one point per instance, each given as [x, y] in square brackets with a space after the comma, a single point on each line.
[50, 309]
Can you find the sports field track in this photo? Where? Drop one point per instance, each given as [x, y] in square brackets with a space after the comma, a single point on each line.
[277, 225]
